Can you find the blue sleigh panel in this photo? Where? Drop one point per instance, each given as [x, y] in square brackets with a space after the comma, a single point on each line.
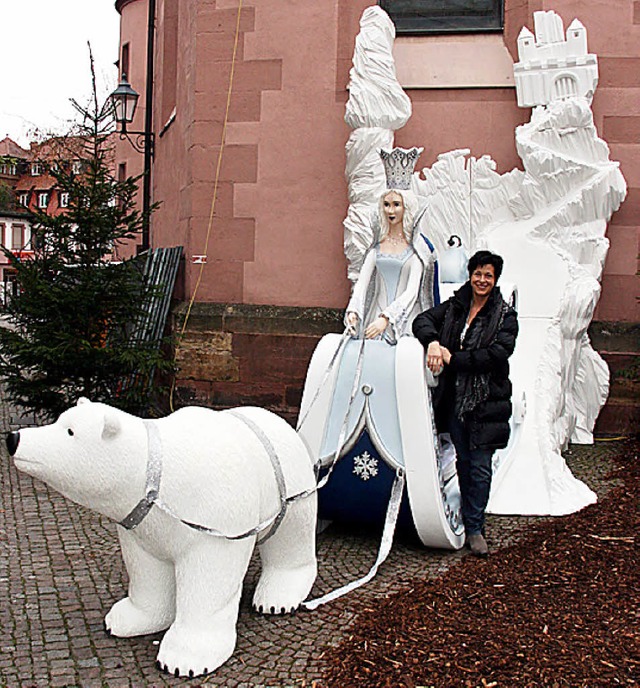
[365, 427]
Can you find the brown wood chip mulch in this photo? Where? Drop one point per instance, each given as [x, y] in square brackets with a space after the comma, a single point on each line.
[560, 608]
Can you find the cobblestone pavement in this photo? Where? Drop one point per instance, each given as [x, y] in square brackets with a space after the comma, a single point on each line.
[61, 570]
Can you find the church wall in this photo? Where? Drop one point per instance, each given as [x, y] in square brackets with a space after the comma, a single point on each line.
[275, 232]
[133, 33]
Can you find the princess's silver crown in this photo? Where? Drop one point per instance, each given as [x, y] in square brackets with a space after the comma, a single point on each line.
[399, 164]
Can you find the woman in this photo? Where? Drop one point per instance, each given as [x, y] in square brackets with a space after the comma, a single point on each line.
[397, 278]
[470, 338]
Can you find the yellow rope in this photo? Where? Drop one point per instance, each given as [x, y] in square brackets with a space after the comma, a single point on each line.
[620, 438]
[215, 190]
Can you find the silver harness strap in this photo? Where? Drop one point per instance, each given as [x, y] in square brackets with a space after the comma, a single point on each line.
[154, 474]
[393, 509]
[397, 489]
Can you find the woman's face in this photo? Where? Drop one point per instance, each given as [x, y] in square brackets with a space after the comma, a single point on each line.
[393, 207]
[483, 280]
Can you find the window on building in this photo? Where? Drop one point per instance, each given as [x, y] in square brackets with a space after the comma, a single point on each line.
[122, 175]
[9, 168]
[17, 237]
[36, 169]
[444, 16]
[124, 60]
[170, 59]
[43, 199]
[76, 166]
[64, 199]
[9, 284]
[24, 199]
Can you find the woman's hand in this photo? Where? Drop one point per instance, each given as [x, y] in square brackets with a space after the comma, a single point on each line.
[377, 327]
[446, 355]
[435, 357]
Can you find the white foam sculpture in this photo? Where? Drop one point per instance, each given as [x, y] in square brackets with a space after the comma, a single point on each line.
[549, 224]
[377, 107]
[232, 472]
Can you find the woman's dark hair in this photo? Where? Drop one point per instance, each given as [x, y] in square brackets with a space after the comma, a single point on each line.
[486, 258]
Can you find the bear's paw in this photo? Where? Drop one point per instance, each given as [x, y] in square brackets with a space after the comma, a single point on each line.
[192, 653]
[281, 590]
[125, 620]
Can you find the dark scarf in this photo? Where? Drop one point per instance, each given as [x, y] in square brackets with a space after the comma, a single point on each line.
[473, 388]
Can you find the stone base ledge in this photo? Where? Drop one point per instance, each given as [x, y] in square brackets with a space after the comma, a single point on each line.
[284, 320]
[243, 354]
[240, 354]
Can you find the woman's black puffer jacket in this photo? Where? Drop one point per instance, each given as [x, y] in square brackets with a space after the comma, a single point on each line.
[482, 353]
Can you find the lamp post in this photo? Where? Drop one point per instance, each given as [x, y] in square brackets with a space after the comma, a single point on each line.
[124, 100]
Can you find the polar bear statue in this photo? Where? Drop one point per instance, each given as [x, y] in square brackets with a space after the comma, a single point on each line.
[242, 474]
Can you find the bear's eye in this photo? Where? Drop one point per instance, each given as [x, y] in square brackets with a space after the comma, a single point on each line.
[70, 431]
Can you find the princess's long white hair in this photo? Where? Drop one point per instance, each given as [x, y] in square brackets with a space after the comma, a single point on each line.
[410, 203]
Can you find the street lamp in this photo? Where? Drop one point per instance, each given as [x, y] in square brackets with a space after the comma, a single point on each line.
[124, 100]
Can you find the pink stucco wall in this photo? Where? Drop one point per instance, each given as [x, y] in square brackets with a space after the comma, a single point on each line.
[276, 234]
[133, 31]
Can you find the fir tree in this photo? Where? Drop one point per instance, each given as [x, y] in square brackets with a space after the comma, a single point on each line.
[73, 319]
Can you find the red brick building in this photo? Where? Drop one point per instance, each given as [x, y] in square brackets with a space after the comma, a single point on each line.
[268, 211]
[15, 227]
[27, 174]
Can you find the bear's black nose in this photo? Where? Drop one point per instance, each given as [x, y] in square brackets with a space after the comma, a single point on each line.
[13, 440]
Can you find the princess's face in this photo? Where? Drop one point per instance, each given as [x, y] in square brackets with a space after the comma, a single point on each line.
[393, 207]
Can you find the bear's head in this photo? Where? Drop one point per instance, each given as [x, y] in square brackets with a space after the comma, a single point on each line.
[93, 454]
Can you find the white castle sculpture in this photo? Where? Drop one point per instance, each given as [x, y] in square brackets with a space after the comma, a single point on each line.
[552, 68]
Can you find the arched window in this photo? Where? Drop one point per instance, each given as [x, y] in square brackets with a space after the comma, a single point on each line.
[565, 86]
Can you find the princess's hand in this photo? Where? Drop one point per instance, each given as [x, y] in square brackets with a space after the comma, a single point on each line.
[352, 323]
[377, 327]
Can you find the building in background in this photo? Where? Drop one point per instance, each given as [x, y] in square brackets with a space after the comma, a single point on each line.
[15, 225]
[260, 218]
[27, 185]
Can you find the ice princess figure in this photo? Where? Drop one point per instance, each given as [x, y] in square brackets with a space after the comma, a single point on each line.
[366, 410]
[398, 276]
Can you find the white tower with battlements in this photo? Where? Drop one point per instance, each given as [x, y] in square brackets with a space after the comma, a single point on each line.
[554, 66]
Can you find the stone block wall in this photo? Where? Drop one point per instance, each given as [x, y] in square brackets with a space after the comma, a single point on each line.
[244, 355]
[241, 355]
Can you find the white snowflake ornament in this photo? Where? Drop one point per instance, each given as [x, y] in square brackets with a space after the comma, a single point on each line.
[365, 466]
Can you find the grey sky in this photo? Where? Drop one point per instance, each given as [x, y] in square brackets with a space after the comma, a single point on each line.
[46, 61]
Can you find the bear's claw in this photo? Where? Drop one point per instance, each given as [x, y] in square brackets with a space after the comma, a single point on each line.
[284, 589]
[272, 610]
[192, 654]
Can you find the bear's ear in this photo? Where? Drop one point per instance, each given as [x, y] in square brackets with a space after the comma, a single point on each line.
[111, 426]
[83, 400]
